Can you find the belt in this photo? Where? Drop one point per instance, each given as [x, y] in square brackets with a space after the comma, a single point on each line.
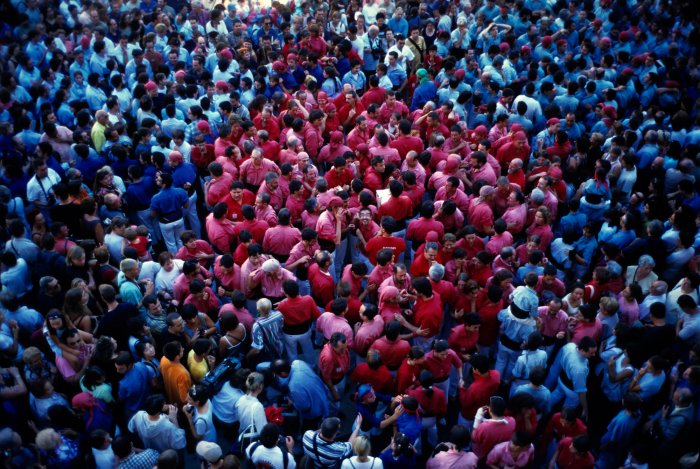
[510, 343]
[441, 380]
[565, 380]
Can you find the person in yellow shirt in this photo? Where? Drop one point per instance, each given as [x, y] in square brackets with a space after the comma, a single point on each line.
[97, 134]
[199, 361]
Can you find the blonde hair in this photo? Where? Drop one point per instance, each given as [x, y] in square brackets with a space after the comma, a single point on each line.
[263, 305]
[46, 439]
[609, 304]
[362, 446]
[254, 382]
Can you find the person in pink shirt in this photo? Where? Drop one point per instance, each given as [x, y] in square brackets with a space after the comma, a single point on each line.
[279, 240]
[500, 129]
[451, 191]
[586, 323]
[390, 155]
[500, 239]
[449, 215]
[313, 134]
[334, 321]
[480, 170]
[517, 453]
[541, 228]
[224, 141]
[227, 275]
[451, 168]
[254, 262]
[271, 186]
[553, 323]
[195, 249]
[456, 144]
[295, 201]
[254, 170]
[383, 270]
[516, 213]
[264, 211]
[453, 454]
[368, 331]
[419, 228]
[229, 161]
[218, 187]
[390, 106]
[550, 198]
[270, 277]
[220, 230]
[355, 274]
[411, 163]
[311, 214]
[237, 307]
[291, 153]
[334, 149]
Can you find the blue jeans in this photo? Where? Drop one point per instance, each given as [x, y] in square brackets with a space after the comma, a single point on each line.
[505, 361]
[171, 234]
[339, 259]
[151, 223]
[190, 213]
[307, 349]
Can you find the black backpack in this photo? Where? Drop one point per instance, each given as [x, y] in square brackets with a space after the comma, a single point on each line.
[215, 379]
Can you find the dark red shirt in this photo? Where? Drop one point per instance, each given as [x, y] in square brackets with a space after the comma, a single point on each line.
[322, 285]
[433, 403]
[376, 244]
[478, 393]
[399, 207]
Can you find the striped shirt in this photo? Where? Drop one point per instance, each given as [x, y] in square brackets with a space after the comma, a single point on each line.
[267, 334]
[325, 454]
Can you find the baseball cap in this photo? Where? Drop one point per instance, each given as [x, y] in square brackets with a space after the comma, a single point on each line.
[210, 452]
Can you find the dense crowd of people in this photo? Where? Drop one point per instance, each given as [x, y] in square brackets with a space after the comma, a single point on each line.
[349, 234]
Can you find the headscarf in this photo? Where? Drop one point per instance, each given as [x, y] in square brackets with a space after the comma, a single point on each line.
[386, 309]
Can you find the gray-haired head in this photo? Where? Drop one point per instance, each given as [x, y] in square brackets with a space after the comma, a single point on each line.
[646, 261]
[436, 272]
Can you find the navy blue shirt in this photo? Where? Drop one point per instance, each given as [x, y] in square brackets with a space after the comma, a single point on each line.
[169, 202]
[184, 173]
[138, 194]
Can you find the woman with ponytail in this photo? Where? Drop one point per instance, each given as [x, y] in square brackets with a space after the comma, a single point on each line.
[400, 454]
[432, 401]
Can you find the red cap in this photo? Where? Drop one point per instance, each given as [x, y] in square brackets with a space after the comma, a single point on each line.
[627, 71]
[203, 126]
[525, 49]
[516, 127]
[221, 85]
[520, 135]
[555, 172]
[606, 40]
[625, 36]
[504, 46]
[336, 136]
[226, 54]
[598, 22]
[278, 65]
[459, 73]
[610, 112]
[561, 42]
[452, 163]
[150, 86]
[292, 56]
[547, 41]
[552, 121]
[180, 74]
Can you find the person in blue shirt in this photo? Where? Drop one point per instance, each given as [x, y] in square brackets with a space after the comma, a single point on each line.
[396, 72]
[306, 389]
[355, 77]
[425, 91]
[620, 432]
[134, 386]
[398, 23]
[185, 176]
[573, 221]
[368, 403]
[517, 324]
[167, 206]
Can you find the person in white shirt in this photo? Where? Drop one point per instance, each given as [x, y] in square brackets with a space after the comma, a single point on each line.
[40, 186]
[362, 460]
[267, 452]
[251, 413]
[406, 55]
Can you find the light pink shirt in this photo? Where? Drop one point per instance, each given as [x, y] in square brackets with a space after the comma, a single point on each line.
[272, 283]
[366, 333]
[329, 323]
[255, 175]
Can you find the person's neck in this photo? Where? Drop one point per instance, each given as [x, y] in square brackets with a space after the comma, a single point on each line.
[113, 305]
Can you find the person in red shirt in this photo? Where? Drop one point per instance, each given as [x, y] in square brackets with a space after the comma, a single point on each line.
[202, 154]
[433, 404]
[427, 314]
[392, 349]
[195, 249]
[489, 303]
[440, 361]
[398, 206]
[237, 197]
[480, 211]
[564, 424]
[491, 426]
[410, 369]
[480, 268]
[406, 142]
[375, 373]
[352, 108]
[218, 187]
[333, 365]
[477, 394]
[375, 94]
[321, 280]
[220, 231]
[298, 313]
[421, 264]
[374, 176]
[257, 228]
[385, 240]
[574, 453]
[280, 239]
[340, 175]
[418, 229]
[464, 337]
[516, 175]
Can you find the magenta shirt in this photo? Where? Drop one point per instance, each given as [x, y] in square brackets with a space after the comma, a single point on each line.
[281, 239]
[255, 175]
[501, 457]
[272, 283]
